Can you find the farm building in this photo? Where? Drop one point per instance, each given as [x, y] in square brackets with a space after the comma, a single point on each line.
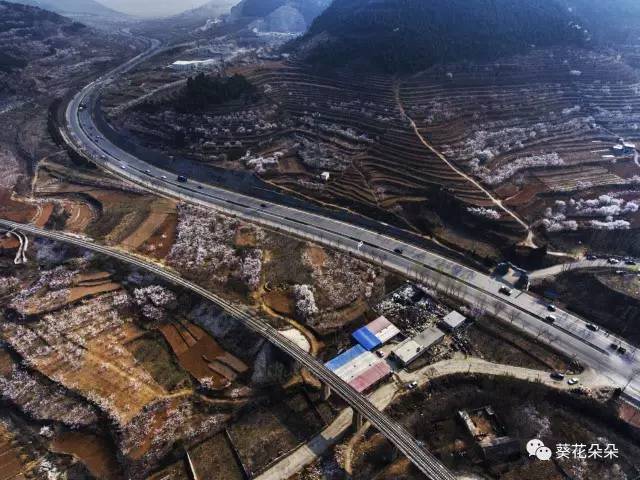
[413, 348]
[359, 368]
[377, 333]
[453, 320]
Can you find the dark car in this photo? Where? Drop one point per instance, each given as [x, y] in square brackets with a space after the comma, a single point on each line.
[182, 179]
[551, 307]
[557, 376]
[591, 256]
[398, 251]
[505, 291]
[592, 327]
[622, 350]
[550, 319]
[630, 262]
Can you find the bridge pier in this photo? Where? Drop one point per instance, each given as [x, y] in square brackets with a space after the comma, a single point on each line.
[358, 421]
[326, 392]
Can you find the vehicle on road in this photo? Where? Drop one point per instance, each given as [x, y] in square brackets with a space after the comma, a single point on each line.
[557, 376]
[613, 261]
[412, 385]
[505, 291]
[573, 381]
[263, 205]
[592, 327]
[182, 179]
[123, 166]
[550, 319]
[163, 177]
[399, 251]
[380, 353]
[630, 262]
[622, 350]
[592, 257]
[551, 307]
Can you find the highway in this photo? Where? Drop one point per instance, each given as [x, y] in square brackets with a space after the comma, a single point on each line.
[393, 431]
[568, 333]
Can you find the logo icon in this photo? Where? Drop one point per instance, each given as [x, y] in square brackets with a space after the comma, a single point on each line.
[536, 448]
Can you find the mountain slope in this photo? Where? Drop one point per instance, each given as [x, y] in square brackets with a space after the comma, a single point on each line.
[408, 35]
[72, 7]
[610, 20]
[293, 16]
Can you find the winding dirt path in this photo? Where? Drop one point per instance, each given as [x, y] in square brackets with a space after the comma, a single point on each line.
[496, 201]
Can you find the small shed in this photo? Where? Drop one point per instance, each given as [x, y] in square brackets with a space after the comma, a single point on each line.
[453, 321]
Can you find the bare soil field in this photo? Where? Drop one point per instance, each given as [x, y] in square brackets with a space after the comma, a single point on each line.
[501, 344]
[214, 458]
[95, 452]
[269, 431]
[199, 354]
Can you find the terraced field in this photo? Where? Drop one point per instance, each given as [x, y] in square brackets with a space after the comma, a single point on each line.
[538, 129]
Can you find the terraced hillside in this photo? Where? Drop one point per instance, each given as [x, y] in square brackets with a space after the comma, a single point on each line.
[540, 131]
[336, 138]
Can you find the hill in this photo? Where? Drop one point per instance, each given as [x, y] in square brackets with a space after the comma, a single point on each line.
[291, 16]
[24, 32]
[611, 21]
[72, 7]
[409, 35]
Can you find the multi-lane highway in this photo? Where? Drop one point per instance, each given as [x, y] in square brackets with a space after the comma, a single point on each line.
[420, 457]
[567, 333]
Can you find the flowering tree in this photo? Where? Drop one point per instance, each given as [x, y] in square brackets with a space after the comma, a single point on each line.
[155, 301]
[305, 301]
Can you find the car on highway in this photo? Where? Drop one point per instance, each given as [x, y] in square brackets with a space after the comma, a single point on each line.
[163, 177]
[622, 350]
[505, 291]
[123, 166]
[573, 381]
[550, 319]
[613, 261]
[263, 205]
[398, 251]
[148, 172]
[592, 327]
[182, 179]
[630, 261]
[412, 385]
[557, 376]
[551, 307]
[592, 257]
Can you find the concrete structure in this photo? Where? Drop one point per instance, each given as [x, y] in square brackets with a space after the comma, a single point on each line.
[413, 348]
[489, 434]
[376, 333]
[628, 148]
[190, 65]
[360, 368]
[453, 320]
